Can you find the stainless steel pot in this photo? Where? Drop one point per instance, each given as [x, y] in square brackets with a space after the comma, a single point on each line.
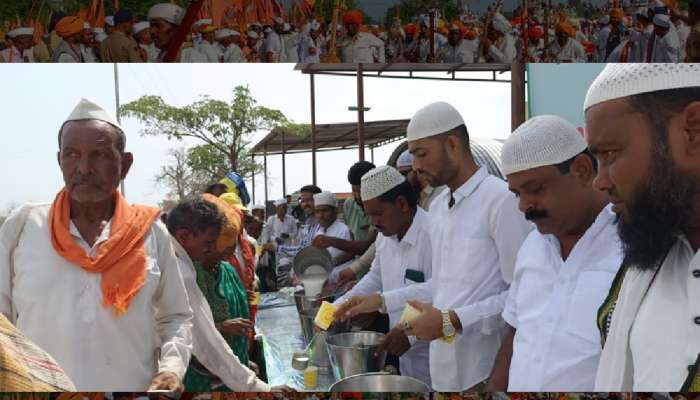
[352, 353]
[380, 382]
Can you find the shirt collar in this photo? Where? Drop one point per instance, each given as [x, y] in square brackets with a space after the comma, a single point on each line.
[470, 185]
[103, 236]
[411, 236]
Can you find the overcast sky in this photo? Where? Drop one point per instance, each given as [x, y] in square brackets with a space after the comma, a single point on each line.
[37, 98]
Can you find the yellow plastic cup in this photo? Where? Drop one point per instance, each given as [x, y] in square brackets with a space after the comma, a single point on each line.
[324, 317]
[311, 377]
[409, 314]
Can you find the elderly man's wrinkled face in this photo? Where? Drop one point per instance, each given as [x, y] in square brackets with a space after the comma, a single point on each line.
[306, 200]
[326, 215]
[551, 200]
[161, 32]
[651, 195]
[433, 161]
[91, 161]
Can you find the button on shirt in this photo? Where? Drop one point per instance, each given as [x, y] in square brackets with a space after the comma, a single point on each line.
[59, 307]
[665, 336]
[553, 304]
[474, 245]
[388, 272]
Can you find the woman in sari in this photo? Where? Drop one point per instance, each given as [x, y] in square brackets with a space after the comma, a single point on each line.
[227, 298]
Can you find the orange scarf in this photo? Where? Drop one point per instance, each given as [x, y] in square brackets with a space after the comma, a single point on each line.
[121, 259]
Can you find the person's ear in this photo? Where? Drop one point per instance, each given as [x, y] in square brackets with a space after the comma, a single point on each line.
[690, 120]
[582, 169]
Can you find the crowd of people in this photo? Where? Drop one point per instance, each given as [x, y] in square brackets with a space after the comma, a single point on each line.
[651, 33]
[578, 273]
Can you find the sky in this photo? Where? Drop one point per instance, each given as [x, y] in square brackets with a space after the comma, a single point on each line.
[37, 98]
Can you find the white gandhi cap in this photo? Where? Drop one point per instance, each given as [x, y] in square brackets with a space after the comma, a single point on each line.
[87, 110]
[541, 141]
[378, 181]
[623, 80]
[433, 119]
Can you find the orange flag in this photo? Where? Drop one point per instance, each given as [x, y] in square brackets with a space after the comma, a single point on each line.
[116, 5]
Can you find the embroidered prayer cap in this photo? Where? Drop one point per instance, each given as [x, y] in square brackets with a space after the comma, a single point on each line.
[540, 141]
[405, 160]
[280, 202]
[433, 119]
[378, 181]
[169, 12]
[87, 110]
[623, 80]
[325, 199]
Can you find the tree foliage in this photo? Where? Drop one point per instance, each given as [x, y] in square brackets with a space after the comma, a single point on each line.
[411, 8]
[225, 130]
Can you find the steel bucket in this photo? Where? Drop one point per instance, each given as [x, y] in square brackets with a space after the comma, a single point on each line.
[352, 353]
[306, 303]
[380, 382]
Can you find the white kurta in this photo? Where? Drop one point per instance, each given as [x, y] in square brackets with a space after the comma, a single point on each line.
[360, 49]
[475, 244]
[13, 55]
[230, 54]
[628, 47]
[59, 307]
[208, 346]
[683, 32]
[572, 51]
[388, 272]
[151, 51]
[654, 335]
[341, 231]
[553, 304]
[504, 52]
[462, 53]
[273, 44]
[291, 47]
[666, 48]
[276, 227]
[306, 46]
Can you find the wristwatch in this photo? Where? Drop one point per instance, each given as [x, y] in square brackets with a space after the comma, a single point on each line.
[448, 330]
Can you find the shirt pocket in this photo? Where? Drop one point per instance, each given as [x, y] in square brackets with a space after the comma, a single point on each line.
[591, 289]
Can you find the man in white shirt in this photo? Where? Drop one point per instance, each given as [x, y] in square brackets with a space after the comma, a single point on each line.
[195, 226]
[564, 268]
[499, 45]
[664, 44]
[327, 215]
[566, 49]
[403, 257]
[227, 44]
[281, 228]
[21, 43]
[642, 126]
[311, 46]
[274, 50]
[142, 34]
[95, 281]
[472, 261]
[290, 41]
[457, 50]
[359, 47]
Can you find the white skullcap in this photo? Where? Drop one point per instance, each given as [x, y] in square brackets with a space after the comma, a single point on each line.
[315, 25]
[257, 23]
[169, 12]
[20, 32]
[222, 33]
[405, 160]
[325, 199]
[257, 207]
[378, 181]
[662, 20]
[540, 141]
[109, 20]
[267, 30]
[501, 24]
[624, 80]
[280, 202]
[86, 110]
[279, 20]
[433, 119]
[139, 26]
[252, 35]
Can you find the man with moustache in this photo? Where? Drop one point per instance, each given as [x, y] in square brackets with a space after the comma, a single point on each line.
[564, 268]
[403, 258]
[476, 231]
[643, 126]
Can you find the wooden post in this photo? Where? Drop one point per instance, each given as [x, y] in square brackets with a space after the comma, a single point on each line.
[360, 113]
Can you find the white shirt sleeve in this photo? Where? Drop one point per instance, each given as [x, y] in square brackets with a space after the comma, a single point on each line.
[9, 232]
[381, 53]
[510, 311]
[396, 299]
[209, 346]
[369, 284]
[173, 314]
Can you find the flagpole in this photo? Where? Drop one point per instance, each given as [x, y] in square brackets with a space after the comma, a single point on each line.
[116, 95]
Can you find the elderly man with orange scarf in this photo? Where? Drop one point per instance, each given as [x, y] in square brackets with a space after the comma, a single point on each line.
[69, 48]
[93, 280]
[359, 47]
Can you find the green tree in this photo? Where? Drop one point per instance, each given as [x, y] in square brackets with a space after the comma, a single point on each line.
[409, 9]
[324, 8]
[224, 129]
